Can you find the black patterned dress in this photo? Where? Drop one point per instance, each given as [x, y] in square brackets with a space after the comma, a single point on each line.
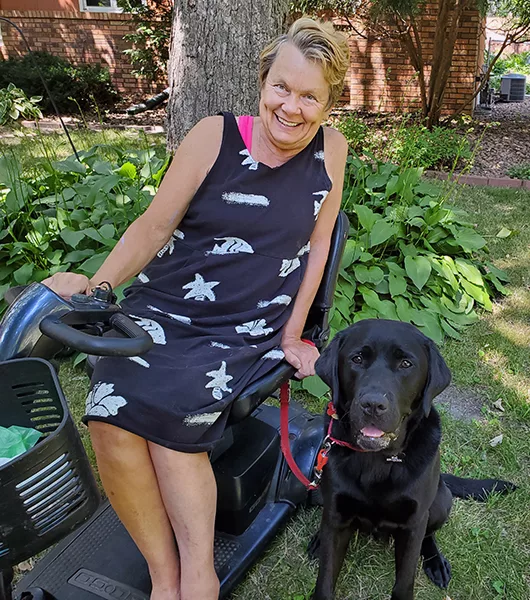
[215, 298]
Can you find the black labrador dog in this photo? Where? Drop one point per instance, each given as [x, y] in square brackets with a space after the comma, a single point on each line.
[384, 376]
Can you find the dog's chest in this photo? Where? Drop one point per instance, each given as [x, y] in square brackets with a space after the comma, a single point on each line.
[380, 512]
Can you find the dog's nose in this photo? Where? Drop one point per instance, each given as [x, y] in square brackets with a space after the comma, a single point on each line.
[374, 405]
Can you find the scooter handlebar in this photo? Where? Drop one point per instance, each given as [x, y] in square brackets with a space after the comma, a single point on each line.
[137, 341]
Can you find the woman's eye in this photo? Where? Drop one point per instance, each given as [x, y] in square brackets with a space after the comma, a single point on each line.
[310, 97]
[405, 364]
[280, 87]
[357, 359]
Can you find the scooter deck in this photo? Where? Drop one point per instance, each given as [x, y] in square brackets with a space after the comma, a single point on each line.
[101, 561]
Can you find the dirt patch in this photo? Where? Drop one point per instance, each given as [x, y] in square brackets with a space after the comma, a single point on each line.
[504, 137]
[461, 404]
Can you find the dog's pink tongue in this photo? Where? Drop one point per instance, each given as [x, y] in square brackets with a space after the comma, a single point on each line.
[372, 432]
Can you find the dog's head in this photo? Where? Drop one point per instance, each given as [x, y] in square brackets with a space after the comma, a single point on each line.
[381, 373]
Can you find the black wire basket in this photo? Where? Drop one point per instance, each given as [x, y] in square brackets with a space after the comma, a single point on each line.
[49, 490]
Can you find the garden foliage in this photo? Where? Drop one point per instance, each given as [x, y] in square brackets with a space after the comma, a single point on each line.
[69, 215]
[409, 256]
[14, 104]
[405, 142]
[70, 85]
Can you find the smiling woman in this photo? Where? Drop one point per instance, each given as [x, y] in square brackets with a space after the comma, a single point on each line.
[229, 256]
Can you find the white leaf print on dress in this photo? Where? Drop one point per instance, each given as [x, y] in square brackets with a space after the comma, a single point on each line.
[154, 329]
[200, 289]
[248, 199]
[231, 245]
[140, 361]
[143, 277]
[219, 380]
[219, 345]
[100, 403]
[319, 203]
[254, 328]
[275, 354]
[291, 264]
[203, 420]
[180, 318]
[252, 164]
[178, 234]
[169, 247]
[319, 155]
[283, 299]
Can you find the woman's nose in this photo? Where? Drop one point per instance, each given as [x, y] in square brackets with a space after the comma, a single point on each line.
[291, 105]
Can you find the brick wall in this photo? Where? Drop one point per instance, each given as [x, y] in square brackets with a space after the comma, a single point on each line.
[80, 37]
[382, 79]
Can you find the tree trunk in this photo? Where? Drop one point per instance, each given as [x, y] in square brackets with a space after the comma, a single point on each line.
[213, 63]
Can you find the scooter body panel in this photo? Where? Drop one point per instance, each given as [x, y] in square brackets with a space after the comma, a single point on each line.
[101, 561]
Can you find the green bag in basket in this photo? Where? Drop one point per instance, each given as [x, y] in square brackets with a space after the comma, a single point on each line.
[16, 440]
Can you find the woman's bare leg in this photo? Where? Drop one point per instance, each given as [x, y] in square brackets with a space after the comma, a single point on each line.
[130, 481]
[189, 492]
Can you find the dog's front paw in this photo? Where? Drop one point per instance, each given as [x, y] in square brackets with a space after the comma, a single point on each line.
[313, 548]
[438, 570]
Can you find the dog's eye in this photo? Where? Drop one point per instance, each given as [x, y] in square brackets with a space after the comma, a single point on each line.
[405, 364]
[357, 359]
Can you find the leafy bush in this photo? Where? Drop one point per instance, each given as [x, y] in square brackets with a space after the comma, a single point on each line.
[71, 214]
[405, 142]
[86, 83]
[409, 256]
[521, 171]
[14, 104]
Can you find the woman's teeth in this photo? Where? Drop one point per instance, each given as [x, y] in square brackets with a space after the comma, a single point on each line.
[286, 123]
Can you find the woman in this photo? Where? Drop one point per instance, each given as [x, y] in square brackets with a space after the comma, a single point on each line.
[230, 254]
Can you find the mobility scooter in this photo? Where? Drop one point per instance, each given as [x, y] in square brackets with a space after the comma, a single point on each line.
[48, 494]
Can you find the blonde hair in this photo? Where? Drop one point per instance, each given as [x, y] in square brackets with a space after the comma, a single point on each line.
[318, 42]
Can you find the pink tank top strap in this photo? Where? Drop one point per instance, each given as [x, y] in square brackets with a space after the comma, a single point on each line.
[245, 123]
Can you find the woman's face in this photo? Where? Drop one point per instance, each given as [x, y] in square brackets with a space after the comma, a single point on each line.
[293, 100]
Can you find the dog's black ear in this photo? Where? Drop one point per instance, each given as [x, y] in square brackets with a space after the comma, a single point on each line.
[438, 378]
[327, 366]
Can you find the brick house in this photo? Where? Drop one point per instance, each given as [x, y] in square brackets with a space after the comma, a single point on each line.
[380, 77]
[78, 30]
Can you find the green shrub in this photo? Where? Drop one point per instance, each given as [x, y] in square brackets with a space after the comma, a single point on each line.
[355, 130]
[409, 256]
[521, 171]
[86, 83]
[404, 141]
[14, 104]
[71, 214]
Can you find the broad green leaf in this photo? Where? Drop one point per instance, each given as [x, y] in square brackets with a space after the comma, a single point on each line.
[70, 165]
[469, 239]
[342, 304]
[365, 274]
[395, 269]
[500, 274]
[450, 330]
[478, 293]
[107, 231]
[315, 386]
[371, 298]
[81, 356]
[367, 218]
[23, 275]
[127, 170]
[418, 269]
[351, 253]
[77, 255]
[102, 167]
[387, 309]
[91, 265]
[71, 237]
[382, 287]
[381, 232]
[397, 284]
[469, 271]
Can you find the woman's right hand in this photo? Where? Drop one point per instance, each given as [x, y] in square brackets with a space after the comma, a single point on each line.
[67, 284]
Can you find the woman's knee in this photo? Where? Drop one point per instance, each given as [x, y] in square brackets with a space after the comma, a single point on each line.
[111, 442]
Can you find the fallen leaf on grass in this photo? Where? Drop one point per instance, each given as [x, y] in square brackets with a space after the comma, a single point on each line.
[496, 440]
[498, 405]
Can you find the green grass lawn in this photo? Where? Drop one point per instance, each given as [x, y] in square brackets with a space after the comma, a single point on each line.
[32, 147]
[487, 544]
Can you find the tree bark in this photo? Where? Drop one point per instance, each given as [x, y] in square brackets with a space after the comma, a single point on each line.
[213, 63]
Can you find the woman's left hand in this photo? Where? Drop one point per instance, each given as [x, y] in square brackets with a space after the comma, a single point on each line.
[301, 356]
